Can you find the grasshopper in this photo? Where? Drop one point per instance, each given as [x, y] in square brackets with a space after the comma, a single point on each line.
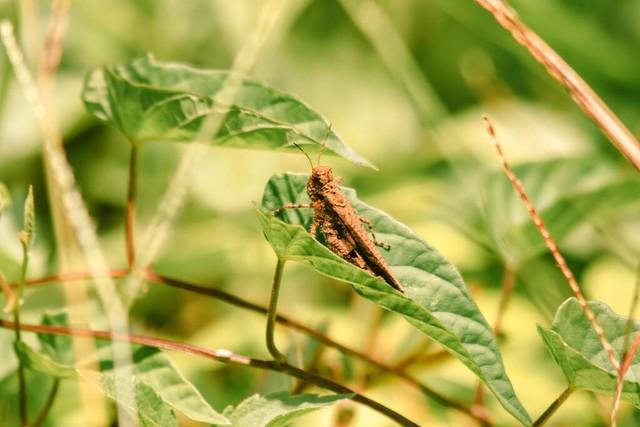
[341, 225]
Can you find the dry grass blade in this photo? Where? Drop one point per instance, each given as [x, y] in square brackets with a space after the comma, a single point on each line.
[582, 94]
[65, 197]
[553, 248]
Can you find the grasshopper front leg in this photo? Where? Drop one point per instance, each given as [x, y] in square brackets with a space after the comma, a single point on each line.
[383, 245]
[292, 206]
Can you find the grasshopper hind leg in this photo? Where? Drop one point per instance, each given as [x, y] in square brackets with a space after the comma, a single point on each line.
[383, 245]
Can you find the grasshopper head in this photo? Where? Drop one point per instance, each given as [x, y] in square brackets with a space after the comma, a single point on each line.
[320, 176]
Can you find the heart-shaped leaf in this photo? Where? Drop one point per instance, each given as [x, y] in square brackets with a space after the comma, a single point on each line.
[437, 301]
[149, 100]
[576, 348]
[277, 409]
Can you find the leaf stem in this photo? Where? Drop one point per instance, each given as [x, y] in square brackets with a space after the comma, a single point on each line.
[222, 355]
[22, 392]
[272, 313]
[48, 405]
[132, 193]
[552, 408]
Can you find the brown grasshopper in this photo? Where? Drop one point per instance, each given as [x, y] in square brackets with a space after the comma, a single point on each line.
[341, 225]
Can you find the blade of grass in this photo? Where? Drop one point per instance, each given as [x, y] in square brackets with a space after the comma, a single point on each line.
[585, 97]
[552, 246]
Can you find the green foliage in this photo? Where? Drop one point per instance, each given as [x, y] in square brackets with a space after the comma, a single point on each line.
[158, 386]
[437, 301]
[149, 100]
[277, 409]
[567, 193]
[576, 348]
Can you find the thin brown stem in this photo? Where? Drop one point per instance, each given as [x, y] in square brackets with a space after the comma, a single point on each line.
[553, 248]
[236, 301]
[131, 208]
[69, 277]
[582, 94]
[8, 292]
[627, 353]
[553, 408]
[48, 405]
[224, 356]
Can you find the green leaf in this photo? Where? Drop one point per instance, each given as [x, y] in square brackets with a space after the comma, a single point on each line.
[40, 362]
[148, 404]
[153, 370]
[149, 100]
[277, 409]
[437, 301]
[565, 192]
[28, 234]
[5, 197]
[58, 347]
[576, 348]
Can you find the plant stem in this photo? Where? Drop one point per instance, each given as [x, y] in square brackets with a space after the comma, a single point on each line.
[552, 408]
[22, 392]
[272, 313]
[131, 208]
[48, 405]
[236, 301]
[224, 356]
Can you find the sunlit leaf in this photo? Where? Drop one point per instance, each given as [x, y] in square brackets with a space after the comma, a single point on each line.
[153, 371]
[146, 404]
[149, 100]
[576, 348]
[158, 372]
[437, 301]
[277, 409]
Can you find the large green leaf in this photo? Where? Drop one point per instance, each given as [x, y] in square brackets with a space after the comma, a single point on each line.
[277, 409]
[149, 100]
[576, 348]
[153, 371]
[565, 192]
[146, 403]
[437, 301]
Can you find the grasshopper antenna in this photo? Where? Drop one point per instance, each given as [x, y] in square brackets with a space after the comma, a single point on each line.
[324, 143]
[305, 154]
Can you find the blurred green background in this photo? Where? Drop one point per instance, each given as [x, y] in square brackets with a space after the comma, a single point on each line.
[405, 83]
